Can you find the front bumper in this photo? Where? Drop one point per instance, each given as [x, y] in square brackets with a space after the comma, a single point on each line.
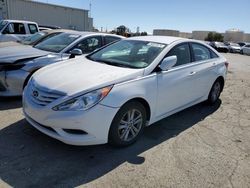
[11, 82]
[94, 122]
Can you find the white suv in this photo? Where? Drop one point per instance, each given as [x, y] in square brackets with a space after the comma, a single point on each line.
[16, 30]
[113, 93]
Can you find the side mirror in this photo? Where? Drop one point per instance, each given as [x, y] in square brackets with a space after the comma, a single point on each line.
[168, 62]
[75, 52]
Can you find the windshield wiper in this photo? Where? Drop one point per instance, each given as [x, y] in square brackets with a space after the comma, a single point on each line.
[113, 63]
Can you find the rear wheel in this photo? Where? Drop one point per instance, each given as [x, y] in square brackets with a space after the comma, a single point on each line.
[128, 124]
[215, 92]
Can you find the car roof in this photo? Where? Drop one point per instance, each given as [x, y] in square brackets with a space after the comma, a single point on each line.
[159, 39]
[82, 33]
[20, 21]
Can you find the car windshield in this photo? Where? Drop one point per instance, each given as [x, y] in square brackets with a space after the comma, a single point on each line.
[29, 40]
[2, 24]
[57, 43]
[129, 53]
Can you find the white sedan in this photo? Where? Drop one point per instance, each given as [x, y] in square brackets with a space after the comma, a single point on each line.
[246, 49]
[110, 95]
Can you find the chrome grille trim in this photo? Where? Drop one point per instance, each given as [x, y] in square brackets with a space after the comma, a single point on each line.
[43, 97]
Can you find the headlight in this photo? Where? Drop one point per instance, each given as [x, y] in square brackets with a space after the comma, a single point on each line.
[84, 102]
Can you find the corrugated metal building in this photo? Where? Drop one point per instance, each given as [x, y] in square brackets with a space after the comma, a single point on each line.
[166, 32]
[46, 14]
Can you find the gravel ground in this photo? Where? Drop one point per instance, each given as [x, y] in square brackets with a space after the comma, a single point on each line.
[199, 147]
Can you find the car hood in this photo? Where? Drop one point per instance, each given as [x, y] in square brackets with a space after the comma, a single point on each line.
[12, 54]
[8, 44]
[82, 75]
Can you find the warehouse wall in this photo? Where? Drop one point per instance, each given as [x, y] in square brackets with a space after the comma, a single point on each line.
[200, 35]
[47, 14]
[237, 36]
[185, 35]
[166, 32]
[246, 37]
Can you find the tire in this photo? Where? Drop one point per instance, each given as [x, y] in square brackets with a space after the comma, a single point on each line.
[123, 131]
[215, 92]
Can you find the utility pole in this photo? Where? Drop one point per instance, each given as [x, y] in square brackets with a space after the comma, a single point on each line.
[90, 8]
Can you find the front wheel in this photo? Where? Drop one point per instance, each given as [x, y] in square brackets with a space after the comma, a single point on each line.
[215, 92]
[128, 124]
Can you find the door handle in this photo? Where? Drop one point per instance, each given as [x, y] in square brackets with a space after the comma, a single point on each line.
[192, 73]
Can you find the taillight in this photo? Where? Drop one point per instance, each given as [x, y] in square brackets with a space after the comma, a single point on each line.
[227, 64]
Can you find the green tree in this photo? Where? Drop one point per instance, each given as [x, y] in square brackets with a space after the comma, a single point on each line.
[214, 37]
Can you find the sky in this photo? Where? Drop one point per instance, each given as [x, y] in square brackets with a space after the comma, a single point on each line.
[183, 15]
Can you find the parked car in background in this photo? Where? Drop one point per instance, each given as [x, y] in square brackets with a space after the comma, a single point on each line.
[220, 46]
[246, 49]
[113, 93]
[16, 30]
[32, 39]
[17, 64]
[242, 44]
[233, 47]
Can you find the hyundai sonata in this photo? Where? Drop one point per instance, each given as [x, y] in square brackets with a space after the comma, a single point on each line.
[113, 93]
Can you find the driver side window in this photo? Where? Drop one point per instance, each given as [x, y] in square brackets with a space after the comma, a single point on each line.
[182, 52]
[90, 44]
[15, 28]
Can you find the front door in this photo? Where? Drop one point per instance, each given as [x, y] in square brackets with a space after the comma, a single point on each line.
[175, 86]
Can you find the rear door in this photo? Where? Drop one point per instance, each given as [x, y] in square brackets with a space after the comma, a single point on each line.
[206, 63]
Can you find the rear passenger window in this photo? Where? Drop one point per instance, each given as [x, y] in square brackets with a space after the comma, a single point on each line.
[182, 53]
[33, 28]
[213, 55]
[109, 39]
[201, 52]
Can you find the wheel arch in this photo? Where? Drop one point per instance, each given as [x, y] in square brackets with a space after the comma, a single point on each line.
[222, 81]
[144, 102]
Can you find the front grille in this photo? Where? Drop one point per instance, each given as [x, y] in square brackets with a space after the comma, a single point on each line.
[42, 97]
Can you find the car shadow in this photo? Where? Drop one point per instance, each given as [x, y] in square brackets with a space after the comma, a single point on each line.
[7, 103]
[28, 158]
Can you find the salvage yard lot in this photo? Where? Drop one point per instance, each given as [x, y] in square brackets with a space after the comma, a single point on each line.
[203, 146]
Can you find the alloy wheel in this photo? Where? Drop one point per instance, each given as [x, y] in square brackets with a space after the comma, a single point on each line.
[216, 91]
[130, 125]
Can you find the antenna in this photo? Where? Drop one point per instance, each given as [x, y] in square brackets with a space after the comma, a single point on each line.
[90, 7]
